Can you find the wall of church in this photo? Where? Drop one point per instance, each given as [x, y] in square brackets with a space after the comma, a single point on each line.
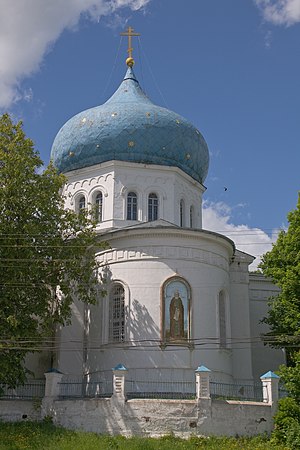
[263, 357]
[115, 180]
[240, 316]
[142, 261]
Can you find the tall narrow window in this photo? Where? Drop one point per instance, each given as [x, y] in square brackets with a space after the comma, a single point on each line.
[222, 320]
[152, 207]
[98, 207]
[131, 206]
[117, 314]
[181, 213]
[191, 217]
[81, 203]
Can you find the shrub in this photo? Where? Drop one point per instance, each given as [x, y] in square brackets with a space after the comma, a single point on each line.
[287, 422]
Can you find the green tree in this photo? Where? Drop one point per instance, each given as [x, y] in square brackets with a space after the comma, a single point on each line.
[282, 265]
[47, 253]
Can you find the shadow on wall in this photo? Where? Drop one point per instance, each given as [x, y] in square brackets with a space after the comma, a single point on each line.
[144, 330]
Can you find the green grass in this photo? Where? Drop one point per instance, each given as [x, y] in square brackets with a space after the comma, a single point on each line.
[45, 436]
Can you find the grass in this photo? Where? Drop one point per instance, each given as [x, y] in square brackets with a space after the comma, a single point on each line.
[46, 436]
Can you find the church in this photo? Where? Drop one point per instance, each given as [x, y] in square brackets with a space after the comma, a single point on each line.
[177, 296]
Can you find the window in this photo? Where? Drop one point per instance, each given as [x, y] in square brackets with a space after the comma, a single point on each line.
[181, 213]
[131, 206]
[222, 320]
[117, 314]
[98, 207]
[81, 203]
[152, 207]
[191, 217]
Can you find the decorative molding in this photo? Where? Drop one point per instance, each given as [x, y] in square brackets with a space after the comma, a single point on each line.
[257, 294]
[163, 252]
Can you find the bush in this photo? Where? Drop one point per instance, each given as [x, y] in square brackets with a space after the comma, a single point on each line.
[287, 423]
[293, 435]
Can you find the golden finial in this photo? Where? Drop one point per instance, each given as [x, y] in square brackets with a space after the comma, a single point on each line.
[130, 32]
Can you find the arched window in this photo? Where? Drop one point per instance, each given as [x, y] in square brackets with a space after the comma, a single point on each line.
[131, 206]
[152, 207]
[117, 314]
[222, 320]
[191, 217]
[81, 203]
[98, 207]
[181, 213]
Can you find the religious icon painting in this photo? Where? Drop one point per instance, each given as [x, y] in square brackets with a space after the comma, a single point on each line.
[176, 311]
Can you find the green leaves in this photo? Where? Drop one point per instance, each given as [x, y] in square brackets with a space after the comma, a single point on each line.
[282, 265]
[46, 252]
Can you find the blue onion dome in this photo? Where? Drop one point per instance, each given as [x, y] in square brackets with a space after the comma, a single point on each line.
[129, 127]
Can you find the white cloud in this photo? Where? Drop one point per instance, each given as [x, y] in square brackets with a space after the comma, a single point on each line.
[280, 12]
[29, 27]
[217, 217]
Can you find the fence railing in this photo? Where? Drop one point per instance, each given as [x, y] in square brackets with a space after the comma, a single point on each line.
[148, 385]
[282, 392]
[159, 389]
[29, 391]
[85, 388]
[237, 391]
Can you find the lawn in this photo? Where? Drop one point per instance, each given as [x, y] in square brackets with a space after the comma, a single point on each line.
[45, 436]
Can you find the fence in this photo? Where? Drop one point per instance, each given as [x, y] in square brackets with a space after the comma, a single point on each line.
[237, 391]
[150, 385]
[282, 392]
[29, 391]
[87, 387]
[160, 389]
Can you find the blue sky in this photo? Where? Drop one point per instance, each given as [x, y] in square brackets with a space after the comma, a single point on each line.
[232, 67]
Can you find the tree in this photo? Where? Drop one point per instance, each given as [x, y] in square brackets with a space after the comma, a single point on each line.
[282, 265]
[47, 253]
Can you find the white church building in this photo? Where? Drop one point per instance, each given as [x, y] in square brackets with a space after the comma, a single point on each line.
[178, 296]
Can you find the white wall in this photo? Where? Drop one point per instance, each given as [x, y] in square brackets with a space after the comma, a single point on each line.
[142, 259]
[264, 358]
[115, 179]
[155, 418]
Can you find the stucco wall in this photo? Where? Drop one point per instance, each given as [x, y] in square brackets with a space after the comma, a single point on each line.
[20, 410]
[264, 358]
[115, 179]
[142, 260]
[160, 417]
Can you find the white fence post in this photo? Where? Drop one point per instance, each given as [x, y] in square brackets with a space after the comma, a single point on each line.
[270, 383]
[53, 378]
[202, 382]
[119, 374]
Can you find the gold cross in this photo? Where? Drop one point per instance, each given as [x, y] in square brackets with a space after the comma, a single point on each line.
[130, 32]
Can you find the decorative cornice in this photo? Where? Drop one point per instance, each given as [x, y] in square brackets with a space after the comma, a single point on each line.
[155, 252]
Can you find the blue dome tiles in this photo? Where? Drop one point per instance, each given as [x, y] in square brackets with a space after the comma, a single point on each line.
[129, 127]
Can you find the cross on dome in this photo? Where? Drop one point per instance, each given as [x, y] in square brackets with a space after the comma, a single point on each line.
[130, 33]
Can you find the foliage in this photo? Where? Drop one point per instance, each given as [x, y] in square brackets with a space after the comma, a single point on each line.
[32, 435]
[287, 418]
[282, 265]
[291, 377]
[46, 253]
[287, 422]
